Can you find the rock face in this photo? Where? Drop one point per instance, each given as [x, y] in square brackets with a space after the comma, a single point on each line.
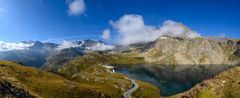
[7, 90]
[169, 50]
[237, 52]
[188, 60]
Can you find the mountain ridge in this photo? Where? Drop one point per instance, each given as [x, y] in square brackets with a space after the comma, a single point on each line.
[38, 53]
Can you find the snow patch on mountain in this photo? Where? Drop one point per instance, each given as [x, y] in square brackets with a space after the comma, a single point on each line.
[85, 45]
[69, 44]
[100, 47]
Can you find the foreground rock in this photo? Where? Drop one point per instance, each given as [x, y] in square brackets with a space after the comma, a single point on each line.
[9, 90]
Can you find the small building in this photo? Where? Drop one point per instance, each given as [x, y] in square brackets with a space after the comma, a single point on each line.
[112, 68]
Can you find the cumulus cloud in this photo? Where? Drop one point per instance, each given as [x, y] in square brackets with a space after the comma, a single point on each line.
[106, 34]
[76, 7]
[132, 29]
[4, 46]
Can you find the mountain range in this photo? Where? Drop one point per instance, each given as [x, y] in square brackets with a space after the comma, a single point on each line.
[81, 68]
[38, 53]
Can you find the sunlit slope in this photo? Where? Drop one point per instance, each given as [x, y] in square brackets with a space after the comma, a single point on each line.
[89, 69]
[167, 50]
[93, 82]
[223, 85]
[44, 84]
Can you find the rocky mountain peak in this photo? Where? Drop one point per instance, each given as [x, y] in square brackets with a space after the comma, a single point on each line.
[177, 50]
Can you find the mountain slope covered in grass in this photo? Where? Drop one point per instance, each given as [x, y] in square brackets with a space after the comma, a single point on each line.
[223, 85]
[96, 82]
[89, 67]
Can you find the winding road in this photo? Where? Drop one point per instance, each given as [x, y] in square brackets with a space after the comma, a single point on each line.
[128, 93]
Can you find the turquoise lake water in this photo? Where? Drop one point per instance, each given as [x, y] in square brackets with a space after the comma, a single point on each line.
[166, 88]
[171, 79]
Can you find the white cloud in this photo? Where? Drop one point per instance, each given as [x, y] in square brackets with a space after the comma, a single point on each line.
[100, 47]
[76, 7]
[14, 46]
[68, 44]
[175, 29]
[132, 29]
[106, 34]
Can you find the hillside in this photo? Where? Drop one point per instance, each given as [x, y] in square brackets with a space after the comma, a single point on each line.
[93, 58]
[187, 60]
[167, 50]
[223, 85]
[89, 67]
[19, 81]
[60, 58]
[80, 68]
[219, 55]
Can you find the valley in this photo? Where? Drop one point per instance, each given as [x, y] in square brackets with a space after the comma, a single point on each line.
[119, 49]
[82, 70]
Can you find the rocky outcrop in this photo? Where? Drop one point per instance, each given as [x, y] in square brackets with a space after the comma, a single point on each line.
[8, 90]
[169, 50]
[237, 52]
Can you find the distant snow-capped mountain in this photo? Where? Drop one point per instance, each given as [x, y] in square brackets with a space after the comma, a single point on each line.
[36, 53]
[89, 45]
[71, 49]
[31, 53]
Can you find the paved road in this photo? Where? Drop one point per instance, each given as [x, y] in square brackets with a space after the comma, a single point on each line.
[128, 93]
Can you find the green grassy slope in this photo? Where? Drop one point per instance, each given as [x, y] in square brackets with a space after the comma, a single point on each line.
[93, 82]
[45, 84]
[223, 85]
[89, 68]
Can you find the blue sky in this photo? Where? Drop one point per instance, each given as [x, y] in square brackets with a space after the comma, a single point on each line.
[49, 20]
